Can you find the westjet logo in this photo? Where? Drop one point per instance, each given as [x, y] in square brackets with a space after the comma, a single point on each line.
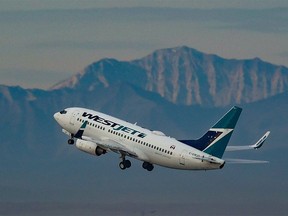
[113, 125]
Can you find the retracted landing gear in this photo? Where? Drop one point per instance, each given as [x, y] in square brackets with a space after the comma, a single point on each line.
[147, 166]
[124, 163]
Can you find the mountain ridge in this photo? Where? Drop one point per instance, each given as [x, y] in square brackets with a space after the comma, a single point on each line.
[183, 75]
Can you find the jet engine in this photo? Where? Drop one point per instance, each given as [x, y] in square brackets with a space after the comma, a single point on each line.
[89, 147]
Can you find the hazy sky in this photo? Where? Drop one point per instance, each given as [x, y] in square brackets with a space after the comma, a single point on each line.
[45, 41]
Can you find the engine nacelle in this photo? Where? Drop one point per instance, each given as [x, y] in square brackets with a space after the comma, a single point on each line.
[89, 147]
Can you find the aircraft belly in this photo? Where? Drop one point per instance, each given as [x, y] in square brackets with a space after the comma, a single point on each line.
[161, 159]
[189, 165]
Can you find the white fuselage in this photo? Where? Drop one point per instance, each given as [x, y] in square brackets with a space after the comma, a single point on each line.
[150, 146]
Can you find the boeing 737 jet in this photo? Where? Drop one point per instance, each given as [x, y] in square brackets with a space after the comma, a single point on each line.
[97, 133]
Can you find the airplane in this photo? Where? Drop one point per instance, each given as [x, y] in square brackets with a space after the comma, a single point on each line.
[97, 133]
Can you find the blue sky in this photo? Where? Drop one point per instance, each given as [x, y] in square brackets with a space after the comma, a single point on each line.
[43, 42]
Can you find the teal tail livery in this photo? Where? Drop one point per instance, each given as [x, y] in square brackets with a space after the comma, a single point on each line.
[98, 134]
[214, 141]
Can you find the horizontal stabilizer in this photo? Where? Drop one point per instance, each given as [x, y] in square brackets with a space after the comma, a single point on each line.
[244, 161]
[257, 145]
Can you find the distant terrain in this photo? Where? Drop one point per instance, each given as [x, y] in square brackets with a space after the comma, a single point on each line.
[180, 91]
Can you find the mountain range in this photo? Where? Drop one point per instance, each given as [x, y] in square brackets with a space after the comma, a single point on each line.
[180, 91]
[186, 76]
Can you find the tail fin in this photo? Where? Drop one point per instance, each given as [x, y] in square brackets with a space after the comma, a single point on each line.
[215, 140]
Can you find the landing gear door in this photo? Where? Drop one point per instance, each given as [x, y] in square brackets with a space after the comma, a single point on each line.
[182, 157]
[74, 117]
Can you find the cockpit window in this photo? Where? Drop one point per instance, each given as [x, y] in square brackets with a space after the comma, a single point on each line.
[63, 112]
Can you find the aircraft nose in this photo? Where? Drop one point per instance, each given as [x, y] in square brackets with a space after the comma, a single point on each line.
[56, 116]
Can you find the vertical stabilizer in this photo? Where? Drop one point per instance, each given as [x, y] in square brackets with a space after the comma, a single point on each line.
[214, 141]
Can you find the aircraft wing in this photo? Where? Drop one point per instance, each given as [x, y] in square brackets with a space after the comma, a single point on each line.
[105, 143]
[111, 145]
[257, 145]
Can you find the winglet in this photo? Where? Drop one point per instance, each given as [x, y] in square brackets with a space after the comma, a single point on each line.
[80, 132]
[261, 141]
[257, 145]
